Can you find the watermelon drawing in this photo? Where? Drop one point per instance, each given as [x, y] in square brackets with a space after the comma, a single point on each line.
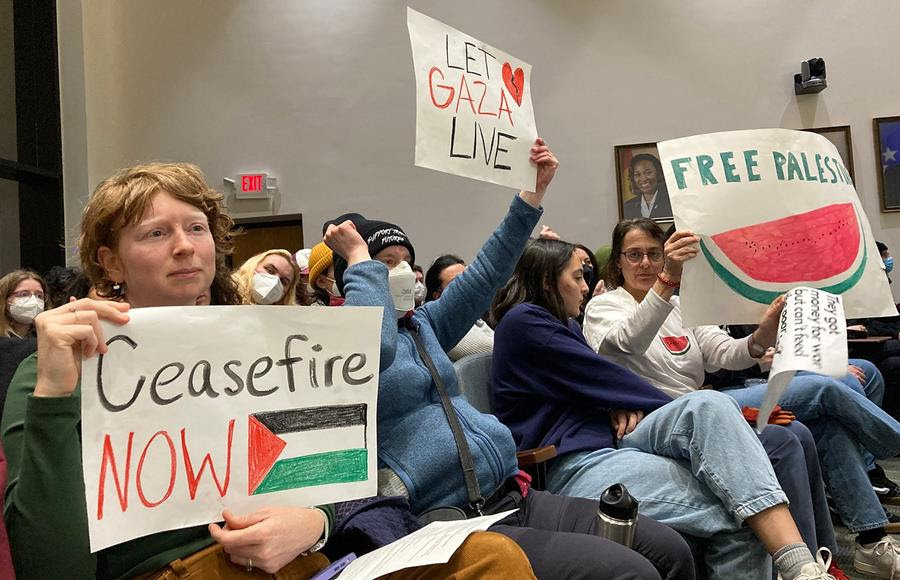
[677, 345]
[824, 248]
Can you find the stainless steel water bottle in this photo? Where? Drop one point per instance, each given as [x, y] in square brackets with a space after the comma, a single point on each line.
[617, 515]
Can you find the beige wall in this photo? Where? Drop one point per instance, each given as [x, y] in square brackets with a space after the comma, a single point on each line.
[320, 94]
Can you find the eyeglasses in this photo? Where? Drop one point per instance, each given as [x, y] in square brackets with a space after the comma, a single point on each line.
[636, 256]
[26, 294]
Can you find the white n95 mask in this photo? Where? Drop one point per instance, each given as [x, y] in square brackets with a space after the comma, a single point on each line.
[24, 310]
[402, 282]
[266, 288]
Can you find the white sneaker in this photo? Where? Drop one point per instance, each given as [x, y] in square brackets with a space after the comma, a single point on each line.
[817, 570]
[881, 560]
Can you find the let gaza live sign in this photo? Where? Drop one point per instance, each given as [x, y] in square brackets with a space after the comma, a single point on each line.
[174, 430]
[474, 115]
[775, 209]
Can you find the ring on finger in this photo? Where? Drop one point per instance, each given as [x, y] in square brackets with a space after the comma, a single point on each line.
[249, 564]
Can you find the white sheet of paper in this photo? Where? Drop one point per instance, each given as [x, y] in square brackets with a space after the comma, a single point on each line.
[775, 209]
[812, 336]
[197, 409]
[433, 544]
[474, 115]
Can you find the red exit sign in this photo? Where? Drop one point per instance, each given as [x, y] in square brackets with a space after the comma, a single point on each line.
[253, 182]
[252, 185]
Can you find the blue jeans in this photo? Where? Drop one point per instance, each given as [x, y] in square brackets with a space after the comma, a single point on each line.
[849, 428]
[680, 465]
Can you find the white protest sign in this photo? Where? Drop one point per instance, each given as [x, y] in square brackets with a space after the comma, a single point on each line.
[474, 115]
[197, 409]
[433, 544]
[812, 336]
[775, 209]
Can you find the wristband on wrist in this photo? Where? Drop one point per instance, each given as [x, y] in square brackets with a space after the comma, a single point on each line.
[668, 283]
[323, 539]
[756, 351]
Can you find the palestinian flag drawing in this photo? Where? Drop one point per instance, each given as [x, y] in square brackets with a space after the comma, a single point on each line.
[677, 345]
[279, 444]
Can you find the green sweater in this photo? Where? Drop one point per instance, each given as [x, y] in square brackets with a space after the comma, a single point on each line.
[45, 509]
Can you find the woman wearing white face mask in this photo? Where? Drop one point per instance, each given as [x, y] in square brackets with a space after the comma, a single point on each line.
[269, 278]
[25, 296]
[321, 277]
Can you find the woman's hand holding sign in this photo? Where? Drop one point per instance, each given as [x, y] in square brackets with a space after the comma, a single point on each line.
[64, 335]
[269, 538]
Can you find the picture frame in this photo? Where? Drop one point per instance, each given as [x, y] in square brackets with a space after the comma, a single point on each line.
[887, 157]
[642, 159]
[842, 140]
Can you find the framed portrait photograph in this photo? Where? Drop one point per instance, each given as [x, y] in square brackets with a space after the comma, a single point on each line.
[640, 183]
[840, 137]
[887, 156]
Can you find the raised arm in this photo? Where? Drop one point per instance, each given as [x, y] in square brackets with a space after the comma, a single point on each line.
[365, 282]
[470, 294]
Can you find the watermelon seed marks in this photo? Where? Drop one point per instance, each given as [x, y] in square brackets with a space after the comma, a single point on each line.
[757, 248]
[765, 296]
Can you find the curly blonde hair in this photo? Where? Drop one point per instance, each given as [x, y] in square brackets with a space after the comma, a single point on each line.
[122, 199]
[243, 277]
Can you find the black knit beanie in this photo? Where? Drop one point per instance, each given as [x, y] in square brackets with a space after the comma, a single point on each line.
[378, 235]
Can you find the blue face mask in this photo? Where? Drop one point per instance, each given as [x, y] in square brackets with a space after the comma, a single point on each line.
[889, 263]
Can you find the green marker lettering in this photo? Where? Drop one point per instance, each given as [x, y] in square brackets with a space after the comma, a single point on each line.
[780, 160]
[730, 175]
[806, 172]
[828, 167]
[705, 163]
[750, 163]
[820, 168]
[793, 167]
[679, 171]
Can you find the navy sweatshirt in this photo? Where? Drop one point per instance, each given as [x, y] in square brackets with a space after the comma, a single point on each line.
[551, 388]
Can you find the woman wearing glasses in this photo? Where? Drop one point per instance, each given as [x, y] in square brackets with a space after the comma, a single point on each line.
[24, 294]
[639, 326]
[551, 388]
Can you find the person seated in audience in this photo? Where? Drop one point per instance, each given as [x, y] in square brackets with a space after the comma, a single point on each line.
[151, 235]
[480, 337]
[24, 296]
[321, 277]
[639, 326]
[678, 458]
[419, 457]
[65, 282]
[419, 290]
[269, 277]
[303, 293]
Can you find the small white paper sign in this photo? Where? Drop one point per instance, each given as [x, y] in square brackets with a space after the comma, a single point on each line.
[775, 209]
[474, 115]
[197, 409]
[812, 336]
[433, 544]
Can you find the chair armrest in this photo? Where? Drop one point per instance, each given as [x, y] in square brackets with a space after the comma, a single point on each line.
[535, 456]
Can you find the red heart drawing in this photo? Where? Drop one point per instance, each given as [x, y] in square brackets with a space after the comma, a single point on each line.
[515, 82]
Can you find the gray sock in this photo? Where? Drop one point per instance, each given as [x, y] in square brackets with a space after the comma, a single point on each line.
[789, 559]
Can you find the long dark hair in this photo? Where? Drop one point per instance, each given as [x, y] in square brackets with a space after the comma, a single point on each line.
[433, 276]
[535, 279]
[612, 274]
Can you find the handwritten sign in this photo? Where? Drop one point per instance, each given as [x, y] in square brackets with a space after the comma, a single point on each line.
[775, 209]
[474, 115]
[197, 409]
[812, 336]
